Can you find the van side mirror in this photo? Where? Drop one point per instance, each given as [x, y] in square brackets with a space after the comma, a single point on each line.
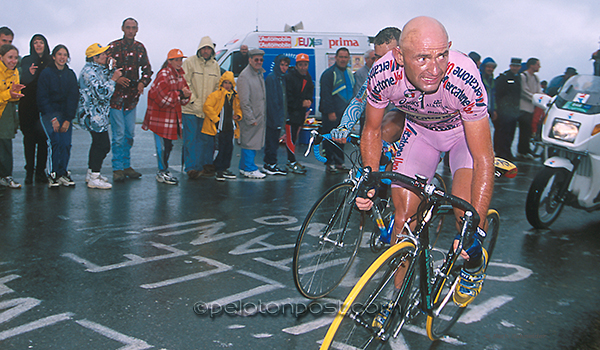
[541, 100]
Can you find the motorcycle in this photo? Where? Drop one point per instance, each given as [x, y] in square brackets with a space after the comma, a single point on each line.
[571, 135]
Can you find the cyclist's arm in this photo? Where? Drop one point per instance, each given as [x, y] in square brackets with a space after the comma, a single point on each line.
[482, 184]
[370, 146]
[351, 115]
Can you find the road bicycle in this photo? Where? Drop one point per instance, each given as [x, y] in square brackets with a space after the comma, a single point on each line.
[406, 280]
[331, 233]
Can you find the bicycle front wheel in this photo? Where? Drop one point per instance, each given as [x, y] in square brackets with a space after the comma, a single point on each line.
[327, 242]
[357, 325]
[445, 311]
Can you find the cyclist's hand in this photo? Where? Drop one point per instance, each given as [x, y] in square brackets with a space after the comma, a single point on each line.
[475, 247]
[339, 134]
[365, 203]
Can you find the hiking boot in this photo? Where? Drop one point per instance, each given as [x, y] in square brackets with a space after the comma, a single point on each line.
[273, 169]
[89, 174]
[119, 176]
[256, 174]
[296, 168]
[53, 181]
[331, 169]
[228, 174]
[132, 174]
[167, 178]
[9, 182]
[29, 178]
[66, 180]
[98, 181]
[470, 282]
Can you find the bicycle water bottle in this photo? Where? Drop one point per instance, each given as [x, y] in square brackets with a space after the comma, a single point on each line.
[386, 235]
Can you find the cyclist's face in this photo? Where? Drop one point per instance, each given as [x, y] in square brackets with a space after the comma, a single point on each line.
[425, 59]
[382, 49]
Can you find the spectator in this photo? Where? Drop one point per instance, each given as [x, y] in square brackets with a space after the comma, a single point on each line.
[222, 108]
[360, 76]
[168, 93]
[337, 87]
[299, 96]
[57, 98]
[276, 113]
[557, 82]
[508, 96]
[34, 137]
[530, 84]
[251, 87]
[487, 68]
[10, 92]
[131, 56]
[544, 85]
[96, 87]
[239, 60]
[6, 36]
[202, 74]
[476, 58]
[595, 57]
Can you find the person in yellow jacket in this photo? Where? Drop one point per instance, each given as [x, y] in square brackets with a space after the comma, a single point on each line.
[10, 92]
[221, 113]
[202, 73]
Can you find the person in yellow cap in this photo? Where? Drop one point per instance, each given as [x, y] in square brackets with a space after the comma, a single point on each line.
[168, 93]
[96, 86]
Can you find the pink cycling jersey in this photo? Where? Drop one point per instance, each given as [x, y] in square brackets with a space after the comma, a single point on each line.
[434, 122]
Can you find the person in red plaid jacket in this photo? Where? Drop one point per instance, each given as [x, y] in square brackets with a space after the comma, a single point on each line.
[163, 116]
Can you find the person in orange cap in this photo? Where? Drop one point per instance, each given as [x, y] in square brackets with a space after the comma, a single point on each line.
[168, 93]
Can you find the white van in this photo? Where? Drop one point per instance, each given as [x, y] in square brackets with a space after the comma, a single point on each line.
[320, 48]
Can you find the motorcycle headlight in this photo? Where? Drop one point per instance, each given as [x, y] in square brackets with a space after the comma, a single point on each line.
[564, 130]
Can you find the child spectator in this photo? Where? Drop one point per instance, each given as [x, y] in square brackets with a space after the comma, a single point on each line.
[10, 91]
[96, 87]
[57, 98]
[163, 117]
[222, 108]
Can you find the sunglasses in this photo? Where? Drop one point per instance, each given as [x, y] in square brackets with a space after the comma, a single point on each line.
[258, 59]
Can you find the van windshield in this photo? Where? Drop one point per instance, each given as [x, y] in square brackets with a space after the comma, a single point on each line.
[581, 93]
[220, 53]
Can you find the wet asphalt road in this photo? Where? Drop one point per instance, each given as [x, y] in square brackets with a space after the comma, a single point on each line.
[123, 268]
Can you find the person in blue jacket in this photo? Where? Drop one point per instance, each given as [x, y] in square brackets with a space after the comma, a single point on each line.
[58, 97]
[276, 113]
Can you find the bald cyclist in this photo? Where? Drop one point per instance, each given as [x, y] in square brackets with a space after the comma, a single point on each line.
[444, 101]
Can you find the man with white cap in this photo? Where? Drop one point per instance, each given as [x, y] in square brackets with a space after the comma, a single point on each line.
[253, 101]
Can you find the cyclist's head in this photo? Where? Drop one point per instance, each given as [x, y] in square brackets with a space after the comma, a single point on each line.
[424, 49]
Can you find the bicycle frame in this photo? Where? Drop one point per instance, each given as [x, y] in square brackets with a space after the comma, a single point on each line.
[432, 197]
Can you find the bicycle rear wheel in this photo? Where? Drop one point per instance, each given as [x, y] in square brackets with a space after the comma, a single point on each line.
[445, 311]
[353, 327]
[327, 242]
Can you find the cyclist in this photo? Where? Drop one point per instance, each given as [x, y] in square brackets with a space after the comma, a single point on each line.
[386, 40]
[444, 101]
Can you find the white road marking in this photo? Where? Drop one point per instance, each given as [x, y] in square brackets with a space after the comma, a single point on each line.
[131, 342]
[16, 307]
[422, 331]
[133, 259]
[476, 313]
[179, 224]
[220, 267]
[244, 248]
[521, 273]
[31, 326]
[309, 326]
[3, 288]
[210, 236]
[269, 220]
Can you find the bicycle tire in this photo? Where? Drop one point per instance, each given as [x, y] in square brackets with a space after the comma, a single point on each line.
[438, 326]
[377, 281]
[320, 265]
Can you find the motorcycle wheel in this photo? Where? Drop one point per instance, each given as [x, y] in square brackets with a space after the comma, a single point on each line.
[544, 200]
